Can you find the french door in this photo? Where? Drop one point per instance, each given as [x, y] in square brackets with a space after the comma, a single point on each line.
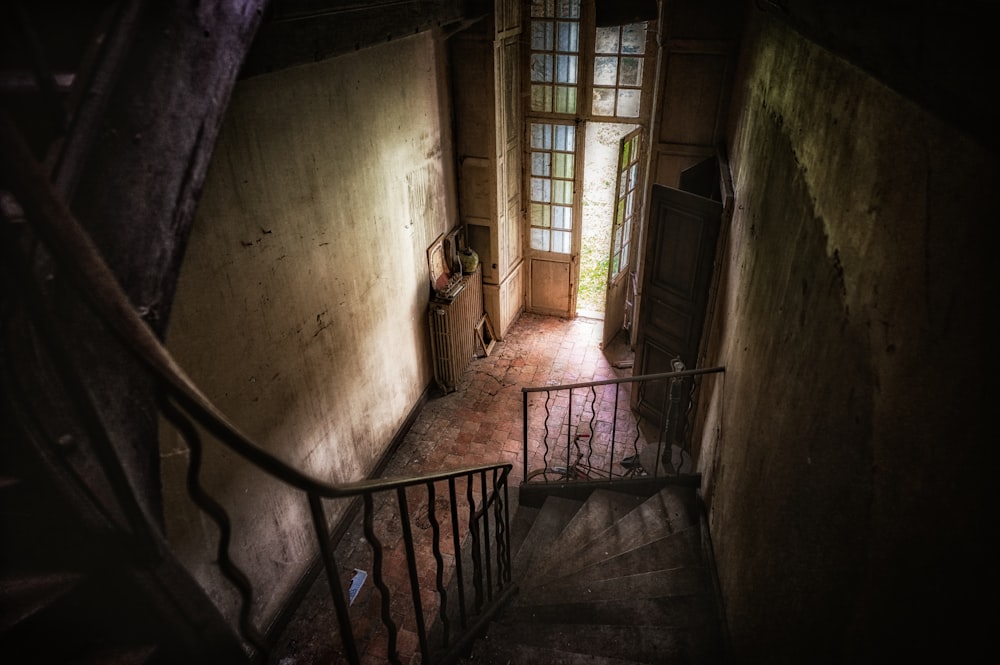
[553, 217]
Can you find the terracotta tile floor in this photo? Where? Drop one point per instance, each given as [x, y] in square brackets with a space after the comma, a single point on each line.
[480, 422]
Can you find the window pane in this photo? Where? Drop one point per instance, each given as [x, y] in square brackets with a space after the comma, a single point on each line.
[565, 100]
[568, 8]
[540, 240]
[541, 136]
[634, 38]
[628, 103]
[562, 166]
[567, 37]
[604, 101]
[562, 242]
[562, 191]
[606, 40]
[541, 164]
[540, 215]
[562, 217]
[541, 190]
[544, 8]
[605, 70]
[541, 67]
[541, 98]
[565, 138]
[566, 69]
[542, 35]
[631, 72]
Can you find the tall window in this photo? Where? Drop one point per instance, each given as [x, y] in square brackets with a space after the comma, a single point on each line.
[553, 167]
[555, 55]
[619, 56]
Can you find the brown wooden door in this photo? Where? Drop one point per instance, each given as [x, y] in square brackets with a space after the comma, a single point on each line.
[680, 251]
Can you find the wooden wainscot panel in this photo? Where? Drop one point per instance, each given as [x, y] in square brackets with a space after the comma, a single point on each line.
[504, 302]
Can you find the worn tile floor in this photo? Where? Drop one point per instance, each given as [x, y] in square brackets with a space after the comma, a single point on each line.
[480, 422]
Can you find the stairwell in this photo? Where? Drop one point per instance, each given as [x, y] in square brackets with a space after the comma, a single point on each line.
[613, 579]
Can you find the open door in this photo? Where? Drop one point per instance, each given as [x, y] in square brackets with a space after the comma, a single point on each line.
[679, 257]
[625, 210]
[554, 228]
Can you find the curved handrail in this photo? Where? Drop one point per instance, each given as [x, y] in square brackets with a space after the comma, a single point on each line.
[78, 254]
[75, 252]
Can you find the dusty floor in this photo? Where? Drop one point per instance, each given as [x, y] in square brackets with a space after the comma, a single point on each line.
[480, 422]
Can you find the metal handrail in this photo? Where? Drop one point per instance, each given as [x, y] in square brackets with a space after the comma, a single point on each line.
[624, 379]
[674, 378]
[74, 251]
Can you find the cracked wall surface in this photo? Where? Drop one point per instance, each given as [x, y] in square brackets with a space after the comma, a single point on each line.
[843, 453]
[302, 303]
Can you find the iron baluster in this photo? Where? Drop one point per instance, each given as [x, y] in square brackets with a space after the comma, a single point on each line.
[331, 568]
[438, 560]
[218, 514]
[477, 564]
[458, 552]
[411, 565]
[377, 579]
[485, 512]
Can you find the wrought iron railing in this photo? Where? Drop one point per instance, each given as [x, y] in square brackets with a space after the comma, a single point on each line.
[595, 430]
[478, 538]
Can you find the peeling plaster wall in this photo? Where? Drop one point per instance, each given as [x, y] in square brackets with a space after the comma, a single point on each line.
[301, 309]
[844, 450]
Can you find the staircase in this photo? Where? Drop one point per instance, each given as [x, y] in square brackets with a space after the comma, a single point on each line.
[613, 579]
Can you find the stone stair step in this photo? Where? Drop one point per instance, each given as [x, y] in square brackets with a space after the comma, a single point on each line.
[685, 580]
[641, 644]
[126, 655]
[680, 610]
[552, 518]
[682, 548]
[520, 525]
[602, 509]
[662, 514]
[22, 597]
[497, 652]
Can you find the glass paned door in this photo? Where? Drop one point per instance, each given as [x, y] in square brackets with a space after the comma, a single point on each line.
[620, 292]
[553, 237]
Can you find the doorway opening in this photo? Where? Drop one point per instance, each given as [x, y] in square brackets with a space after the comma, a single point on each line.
[603, 141]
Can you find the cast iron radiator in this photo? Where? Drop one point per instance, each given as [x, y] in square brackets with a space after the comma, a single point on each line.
[453, 331]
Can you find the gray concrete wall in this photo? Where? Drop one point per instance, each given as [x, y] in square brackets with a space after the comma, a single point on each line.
[301, 309]
[843, 452]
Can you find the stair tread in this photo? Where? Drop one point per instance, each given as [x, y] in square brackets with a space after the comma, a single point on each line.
[553, 516]
[495, 652]
[641, 644]
[122, 655]
[602, 509]
[678, 610]
[679, 549]
[660, 515]
[683, 581]
[23, 596]
[520, 525]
